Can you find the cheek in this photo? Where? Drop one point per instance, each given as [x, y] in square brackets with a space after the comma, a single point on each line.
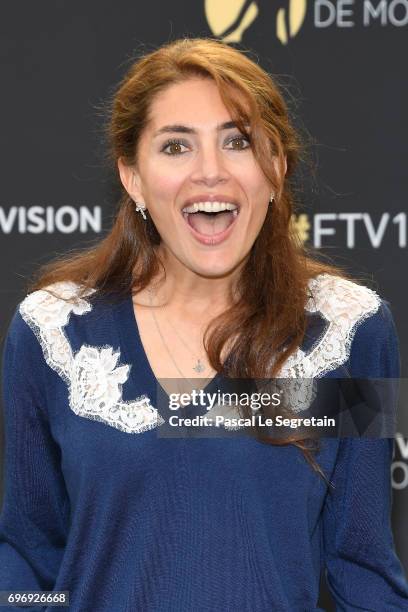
[161, 180]
[160, 192]
[253, 182]
[163, 187]
[258, 193]
[258, 217]
[259, 198]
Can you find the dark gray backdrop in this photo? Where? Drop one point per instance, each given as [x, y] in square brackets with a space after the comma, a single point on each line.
[344, 78]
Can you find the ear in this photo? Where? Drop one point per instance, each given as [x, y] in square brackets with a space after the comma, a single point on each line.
[277, 169]
[130, 180]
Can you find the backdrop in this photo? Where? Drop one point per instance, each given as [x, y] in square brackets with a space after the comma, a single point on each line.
[340, 63]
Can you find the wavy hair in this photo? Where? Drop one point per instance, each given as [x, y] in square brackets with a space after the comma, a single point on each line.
[273, 286]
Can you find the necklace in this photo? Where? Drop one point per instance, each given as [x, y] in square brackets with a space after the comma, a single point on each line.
[199, 367]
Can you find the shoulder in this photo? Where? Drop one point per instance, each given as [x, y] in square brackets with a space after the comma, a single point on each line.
[51, 307]
[352, 332]
[341, 300]
[361, 319]
[36, 328]
[34, 319]
[375, 352]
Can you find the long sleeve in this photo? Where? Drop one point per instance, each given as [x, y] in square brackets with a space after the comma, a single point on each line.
[363, 571]
[35, 509]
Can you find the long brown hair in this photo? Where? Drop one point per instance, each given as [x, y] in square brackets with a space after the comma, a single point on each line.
[273, 287]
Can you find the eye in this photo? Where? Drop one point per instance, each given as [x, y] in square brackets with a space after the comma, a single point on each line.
[173, 143]
[176, 142]
[241, 138]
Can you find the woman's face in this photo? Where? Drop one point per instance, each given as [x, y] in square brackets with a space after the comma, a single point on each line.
[188, 154]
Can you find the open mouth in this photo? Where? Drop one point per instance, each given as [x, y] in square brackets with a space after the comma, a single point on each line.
[211, 220]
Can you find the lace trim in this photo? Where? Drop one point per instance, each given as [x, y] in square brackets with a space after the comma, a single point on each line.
[345, 305]
[94, 382]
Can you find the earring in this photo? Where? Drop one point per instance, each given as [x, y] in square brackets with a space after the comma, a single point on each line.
[140, 207]
[271, 199]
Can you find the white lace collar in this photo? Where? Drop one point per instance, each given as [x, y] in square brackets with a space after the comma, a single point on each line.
[94, 379]
[344, 305]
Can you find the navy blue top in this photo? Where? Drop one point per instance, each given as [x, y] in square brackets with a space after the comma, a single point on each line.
[97, 503]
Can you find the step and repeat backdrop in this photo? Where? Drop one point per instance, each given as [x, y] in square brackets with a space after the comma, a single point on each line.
[341, 65]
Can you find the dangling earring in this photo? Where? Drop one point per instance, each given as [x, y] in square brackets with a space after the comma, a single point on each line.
[271, 199]
[140, 207]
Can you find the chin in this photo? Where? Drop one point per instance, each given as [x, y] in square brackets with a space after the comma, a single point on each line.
[215, 268]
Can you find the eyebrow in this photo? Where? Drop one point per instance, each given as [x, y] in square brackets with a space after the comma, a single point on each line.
[184, 129]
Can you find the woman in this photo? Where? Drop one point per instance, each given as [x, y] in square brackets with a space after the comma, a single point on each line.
[98, 502]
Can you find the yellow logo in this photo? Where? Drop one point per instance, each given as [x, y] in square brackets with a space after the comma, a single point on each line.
[229, 19]
[300, 225]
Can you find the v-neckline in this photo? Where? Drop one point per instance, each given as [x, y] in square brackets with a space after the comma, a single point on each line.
[134, 350]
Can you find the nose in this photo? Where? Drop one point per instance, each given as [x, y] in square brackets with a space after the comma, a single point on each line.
[209, 165]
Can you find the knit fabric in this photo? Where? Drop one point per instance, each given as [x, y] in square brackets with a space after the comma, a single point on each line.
[98, 504]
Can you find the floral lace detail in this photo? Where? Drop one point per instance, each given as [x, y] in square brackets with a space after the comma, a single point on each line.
[299, 394]
[344, 305]
[94, 381]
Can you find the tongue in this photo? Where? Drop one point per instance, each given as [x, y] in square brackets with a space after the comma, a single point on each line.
[210, 224]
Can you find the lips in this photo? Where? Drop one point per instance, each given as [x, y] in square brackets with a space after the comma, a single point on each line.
[211, 228]
[210, 217]
[210, 197]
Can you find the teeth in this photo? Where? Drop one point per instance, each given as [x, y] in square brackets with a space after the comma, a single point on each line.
[210, 207]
